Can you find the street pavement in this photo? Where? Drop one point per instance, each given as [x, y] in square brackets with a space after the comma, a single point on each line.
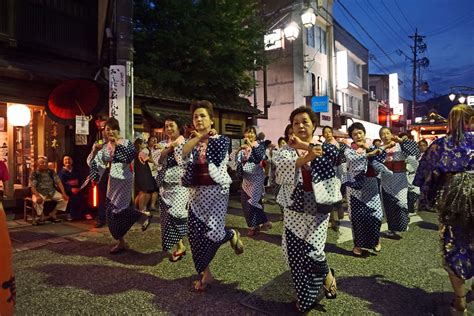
[66, 269]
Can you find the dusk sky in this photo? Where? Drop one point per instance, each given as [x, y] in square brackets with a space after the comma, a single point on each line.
[447, 24]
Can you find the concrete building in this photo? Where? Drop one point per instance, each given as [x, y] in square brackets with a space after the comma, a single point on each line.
[391, 107]
[299, 69]
[352, 76]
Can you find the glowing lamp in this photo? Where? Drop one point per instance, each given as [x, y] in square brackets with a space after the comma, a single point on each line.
[18, 114]
[291, 31]
[308, 18]
[394, 117]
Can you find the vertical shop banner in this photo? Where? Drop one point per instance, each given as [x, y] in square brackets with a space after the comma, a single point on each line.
[117, 93]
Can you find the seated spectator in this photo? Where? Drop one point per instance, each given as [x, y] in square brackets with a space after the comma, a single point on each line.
[71, 183]
[43, 182]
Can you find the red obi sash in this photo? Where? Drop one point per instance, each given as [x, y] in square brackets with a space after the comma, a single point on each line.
[370, 172]
[396, 166]
[201, 175]
[307, 180]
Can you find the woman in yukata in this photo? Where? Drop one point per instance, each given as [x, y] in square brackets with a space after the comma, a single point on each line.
[249, 158]
[363, 197]
[447, 170]
[205, 156]
[285, 190]
[119, 153]
[174, 197]
[395, 186]
[310, 169]
[340, 167]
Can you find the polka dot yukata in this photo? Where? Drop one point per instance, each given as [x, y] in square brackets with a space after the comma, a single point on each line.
[253, 178]
[365, 208]
[395, 186]
[120, 214]
[174, 197]
[306, 221]
[208, 203]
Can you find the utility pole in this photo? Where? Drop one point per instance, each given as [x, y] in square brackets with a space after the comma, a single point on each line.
[418, 47]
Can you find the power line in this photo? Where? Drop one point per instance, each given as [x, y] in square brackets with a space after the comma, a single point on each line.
[355, 29]
[393, 17]
[453, 25]
[403, 14]
[365, 31]
[389, 27]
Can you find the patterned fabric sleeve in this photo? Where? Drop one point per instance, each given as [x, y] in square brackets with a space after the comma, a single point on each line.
[410, 148]
[258, 153]
[322, 168]
[356, 169]
[217, 157]
[217, 150]
[124, 153]
[97, 165]
[286, 166]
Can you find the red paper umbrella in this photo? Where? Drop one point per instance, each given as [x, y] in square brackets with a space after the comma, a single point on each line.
[73, 97]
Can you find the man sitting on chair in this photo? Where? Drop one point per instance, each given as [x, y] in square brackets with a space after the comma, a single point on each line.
[43, 182]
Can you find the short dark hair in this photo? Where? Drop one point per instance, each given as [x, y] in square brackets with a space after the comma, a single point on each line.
[327, 127]
[287, 132]
[354, 126]
[202, 104]
[137, 143]
[113, 123]
[307, 110]
[174, 118]
[376, 140]
[385, 127]
[280, 139]
[423, 141]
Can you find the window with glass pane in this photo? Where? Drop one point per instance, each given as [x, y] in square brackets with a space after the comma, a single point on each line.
[310, 36]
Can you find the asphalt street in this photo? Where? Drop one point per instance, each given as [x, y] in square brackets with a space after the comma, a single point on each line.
[66, 269]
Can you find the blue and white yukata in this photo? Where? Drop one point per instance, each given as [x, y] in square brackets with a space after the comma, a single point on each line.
[363, 196]
[121, 215]
[306, 219]
[446, 171]
[174, 197]
[253, 179]
[395, 186]
[208, 203]
[285, 189]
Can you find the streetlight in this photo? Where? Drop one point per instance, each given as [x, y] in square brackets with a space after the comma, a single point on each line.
[292, 31]
[308, 18]
[461, 91]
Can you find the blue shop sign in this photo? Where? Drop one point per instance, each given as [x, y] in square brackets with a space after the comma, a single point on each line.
[320, 104]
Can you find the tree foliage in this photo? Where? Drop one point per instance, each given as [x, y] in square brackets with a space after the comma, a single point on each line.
[199, 49]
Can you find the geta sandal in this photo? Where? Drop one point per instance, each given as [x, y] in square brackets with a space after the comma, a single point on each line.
[330, 295]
